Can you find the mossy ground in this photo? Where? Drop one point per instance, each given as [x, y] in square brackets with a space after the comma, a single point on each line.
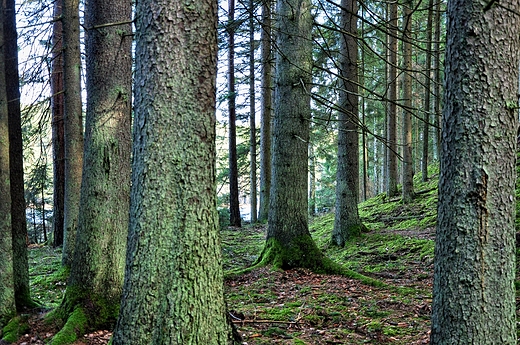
[298, 306]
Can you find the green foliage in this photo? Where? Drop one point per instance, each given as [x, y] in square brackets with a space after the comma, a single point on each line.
[15, 328]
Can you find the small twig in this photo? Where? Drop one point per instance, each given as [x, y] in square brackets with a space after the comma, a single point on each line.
[110, 24]
[489, 4]
[266, 321]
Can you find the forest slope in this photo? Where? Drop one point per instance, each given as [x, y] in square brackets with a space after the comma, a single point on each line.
[298, 306]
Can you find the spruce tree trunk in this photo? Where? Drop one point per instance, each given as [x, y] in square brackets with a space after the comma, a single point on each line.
[474, 291]
[234, 202]
[97, 271]
[408, 166]
[18, 221]
[73, 126]
[173, 285]
[437, 80]
[58, 134]
[252, 113]
[392, 102]
[289, 243]
[427, 93]
[265, 128]
[347, 223]
[7, 301]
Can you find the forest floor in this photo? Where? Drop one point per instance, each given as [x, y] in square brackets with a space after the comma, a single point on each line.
[300, 307]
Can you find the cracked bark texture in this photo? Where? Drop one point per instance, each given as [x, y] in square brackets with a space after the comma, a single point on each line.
[173, 290]
[474, 293]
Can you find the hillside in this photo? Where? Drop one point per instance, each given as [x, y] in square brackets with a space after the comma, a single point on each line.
[389, 302]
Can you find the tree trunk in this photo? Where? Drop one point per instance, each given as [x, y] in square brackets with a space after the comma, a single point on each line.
[7, 301]
[252, 111]
[392, 102]
[73, 126]
[312, 181]
[347, 223]
[408, 167]
[289, 243]
[58, 135]
[173, 282]
[97, 271]
[265, 129]
[474, 291]
[18, 221]
[427, 88]
[437, 78]
[234, 207]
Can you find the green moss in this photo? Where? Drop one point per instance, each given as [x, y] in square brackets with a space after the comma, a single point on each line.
[75, 326]
[15, 329]
[302, 252]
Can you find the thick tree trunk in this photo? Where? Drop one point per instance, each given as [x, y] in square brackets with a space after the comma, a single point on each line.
[7, 301]
[97, 271]
[173, 282]
[58, 134]
[408, 166]
[474, 292]
[18, 221]
[347, 223]
[234, 202]
[289, 243]
[392, 102]
[265, 128]
[73, 126]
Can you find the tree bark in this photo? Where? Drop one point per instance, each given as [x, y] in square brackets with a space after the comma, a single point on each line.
[408, 166]
[392, 102]
[58, 134]
[73, 126]
[252, 112]
[474, 291]
[347, 223]
[234, 207]
[265, 128]
[97, 271]
[18, 221]
[7, 301]
[173, 285]
[289, 243]
[427, 88]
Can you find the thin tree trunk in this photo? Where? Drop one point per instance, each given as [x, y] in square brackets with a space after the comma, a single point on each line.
[347, 223]
[312, 181]
[234, 207]
[437, 78]
[18, 221]
[265, 128]
[7, 301]
[73, 126]
[427, 89]
[58, 135]
[408, 166]
[252, 112]
[474, 272]
[392, 102]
